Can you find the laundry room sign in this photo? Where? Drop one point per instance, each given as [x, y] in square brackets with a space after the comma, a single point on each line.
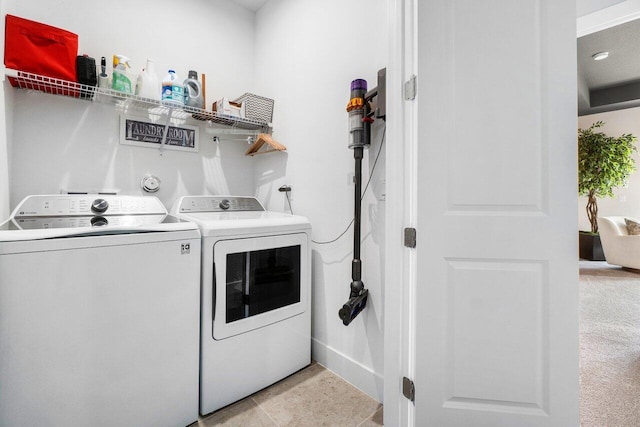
[145, 133]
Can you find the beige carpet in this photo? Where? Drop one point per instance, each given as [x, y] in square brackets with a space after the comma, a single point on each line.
[609, 346]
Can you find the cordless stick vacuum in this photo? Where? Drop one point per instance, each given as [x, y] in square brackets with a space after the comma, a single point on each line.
[359, 130]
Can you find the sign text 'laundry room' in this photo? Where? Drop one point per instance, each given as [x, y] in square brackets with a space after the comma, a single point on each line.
[148, 134]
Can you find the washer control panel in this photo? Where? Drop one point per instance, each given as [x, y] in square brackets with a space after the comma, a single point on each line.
[219, 204]
[46, 222]
[88, 205]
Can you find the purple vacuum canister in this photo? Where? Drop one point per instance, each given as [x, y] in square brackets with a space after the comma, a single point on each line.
[358, 88]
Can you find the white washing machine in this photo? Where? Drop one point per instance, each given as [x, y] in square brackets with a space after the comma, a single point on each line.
[256, 289]
[99, 313]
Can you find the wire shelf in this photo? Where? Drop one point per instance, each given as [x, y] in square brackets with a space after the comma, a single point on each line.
[30, 81]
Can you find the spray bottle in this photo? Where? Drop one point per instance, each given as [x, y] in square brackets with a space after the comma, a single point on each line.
[121, 79]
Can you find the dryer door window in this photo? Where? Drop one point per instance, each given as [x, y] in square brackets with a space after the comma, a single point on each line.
[259, 281]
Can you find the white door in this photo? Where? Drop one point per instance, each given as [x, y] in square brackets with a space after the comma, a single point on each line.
[497, 289]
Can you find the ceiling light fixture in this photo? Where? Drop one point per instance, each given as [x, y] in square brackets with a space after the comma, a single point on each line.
[600, 56]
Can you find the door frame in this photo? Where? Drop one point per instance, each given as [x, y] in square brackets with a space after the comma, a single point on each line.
[401, 180]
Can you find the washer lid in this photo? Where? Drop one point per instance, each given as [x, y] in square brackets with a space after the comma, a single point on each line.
[51, 228]
[56, 216]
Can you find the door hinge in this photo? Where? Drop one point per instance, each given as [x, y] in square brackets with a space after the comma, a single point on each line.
[410, 237]
[408, 389]
[410, 88]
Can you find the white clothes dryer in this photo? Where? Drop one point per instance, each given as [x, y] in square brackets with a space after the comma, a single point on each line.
[255, 296]
[99, 313]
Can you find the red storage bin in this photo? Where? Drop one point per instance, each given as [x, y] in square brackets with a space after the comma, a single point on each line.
[40, 49]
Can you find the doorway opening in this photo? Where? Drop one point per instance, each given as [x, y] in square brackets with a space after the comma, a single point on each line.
[609, 91]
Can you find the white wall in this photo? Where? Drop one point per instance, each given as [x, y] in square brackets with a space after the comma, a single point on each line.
[627, 200]
[598, 15]
[4, 132]
[73, 144]
[307, 53]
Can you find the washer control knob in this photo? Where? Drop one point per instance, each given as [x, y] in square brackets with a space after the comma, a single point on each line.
[224, 204]
[99, 205]
[99, 221]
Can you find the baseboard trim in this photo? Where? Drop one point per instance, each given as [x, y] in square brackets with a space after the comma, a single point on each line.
[358, 375]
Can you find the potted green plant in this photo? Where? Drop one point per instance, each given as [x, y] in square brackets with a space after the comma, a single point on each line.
[604, 163]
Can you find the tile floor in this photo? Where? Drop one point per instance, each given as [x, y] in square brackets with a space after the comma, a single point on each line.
[312, 397]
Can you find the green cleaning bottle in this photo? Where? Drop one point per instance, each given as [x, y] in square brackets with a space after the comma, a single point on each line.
[121, 80]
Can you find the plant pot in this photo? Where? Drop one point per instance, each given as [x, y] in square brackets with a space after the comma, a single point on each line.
[590, 246]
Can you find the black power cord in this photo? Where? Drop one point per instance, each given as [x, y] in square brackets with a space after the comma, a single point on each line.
[289, 202]
[286, 189]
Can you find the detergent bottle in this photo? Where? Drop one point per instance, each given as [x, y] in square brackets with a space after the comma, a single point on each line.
[148, 85]
[172, 89]
[193, 91]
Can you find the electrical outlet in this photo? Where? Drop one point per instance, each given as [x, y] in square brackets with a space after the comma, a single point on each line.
[287, 189]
